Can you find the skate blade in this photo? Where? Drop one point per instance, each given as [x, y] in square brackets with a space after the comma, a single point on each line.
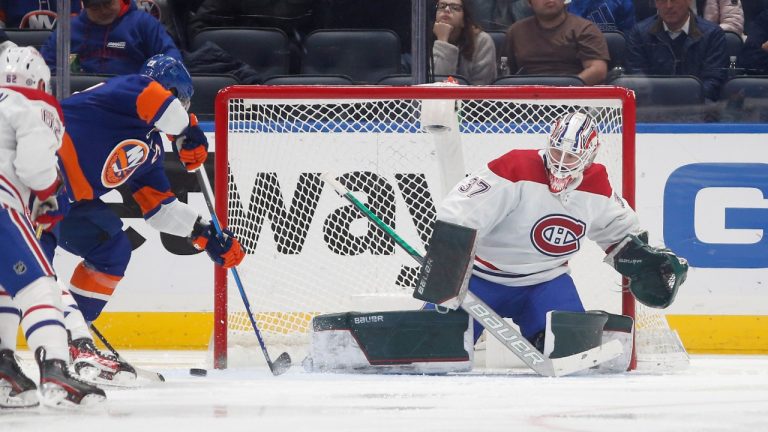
[56, 397]
[27, 399]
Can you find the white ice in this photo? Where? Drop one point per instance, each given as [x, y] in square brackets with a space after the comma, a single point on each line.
[717, 393]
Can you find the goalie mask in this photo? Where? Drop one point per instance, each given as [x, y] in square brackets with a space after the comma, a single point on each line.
[24, 67]
[172, 75]
[571, 148]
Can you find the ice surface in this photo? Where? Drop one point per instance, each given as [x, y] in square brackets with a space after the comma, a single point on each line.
[717, 393]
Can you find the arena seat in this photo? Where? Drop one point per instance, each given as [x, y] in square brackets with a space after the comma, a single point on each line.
[407, 79]
[25, 37]
[80, 82]
[364, 55]
[617, 48]
[549, 80]
[264, 49]
[326, 79]
[745, 99]
[206, 88]
[666, 98]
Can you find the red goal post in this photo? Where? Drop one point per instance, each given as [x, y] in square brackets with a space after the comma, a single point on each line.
[244, 114]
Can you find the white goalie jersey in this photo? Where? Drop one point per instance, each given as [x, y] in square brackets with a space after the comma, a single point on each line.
[526, 234]
[30, 135]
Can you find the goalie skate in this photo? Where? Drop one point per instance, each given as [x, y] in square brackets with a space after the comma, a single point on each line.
[95, 367]
[58, 388]
[16, 389]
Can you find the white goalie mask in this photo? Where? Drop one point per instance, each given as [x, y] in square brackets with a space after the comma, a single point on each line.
[571, 148]
[24, 67]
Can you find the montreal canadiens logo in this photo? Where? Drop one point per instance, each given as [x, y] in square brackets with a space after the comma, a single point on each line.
[123, 161]
[557, 235]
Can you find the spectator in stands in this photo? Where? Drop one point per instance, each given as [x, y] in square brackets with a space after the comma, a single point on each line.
[556, 42]
[31, 14]
[754, 54]
[113, 37]
[608, 15]
[644, 9]
[679, 42]
[460, 46]
[727, 13]
[499, 14]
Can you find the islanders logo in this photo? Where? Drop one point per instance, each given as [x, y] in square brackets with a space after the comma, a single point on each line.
[557, 235]
[123, 160]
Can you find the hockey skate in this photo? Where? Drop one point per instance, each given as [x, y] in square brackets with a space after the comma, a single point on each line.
[96, 367]
[60, 389]
[16, 389]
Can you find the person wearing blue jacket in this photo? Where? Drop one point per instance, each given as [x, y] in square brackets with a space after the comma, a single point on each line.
[608, 15]
[113, 37]
[678, 42]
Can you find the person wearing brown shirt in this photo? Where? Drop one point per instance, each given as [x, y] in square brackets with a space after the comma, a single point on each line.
[555, 42]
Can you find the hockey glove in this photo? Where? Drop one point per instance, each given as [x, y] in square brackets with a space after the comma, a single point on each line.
[655, 274]
[225, 252]
[49, 206]
[192, 145]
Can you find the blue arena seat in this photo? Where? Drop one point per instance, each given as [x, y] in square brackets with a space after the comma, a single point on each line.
[363, 55]
[666, 98]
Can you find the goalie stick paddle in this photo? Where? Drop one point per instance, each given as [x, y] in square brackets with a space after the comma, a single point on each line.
[489, 319]
[283, 361]
[152, 376]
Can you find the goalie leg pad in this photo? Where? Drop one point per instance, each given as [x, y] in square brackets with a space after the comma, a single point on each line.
[391, 342]
[444, 275]
[569, 333]
[621, 328]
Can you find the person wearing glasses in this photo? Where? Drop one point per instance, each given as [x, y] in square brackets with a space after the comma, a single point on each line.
[460, 46]
[556, 42]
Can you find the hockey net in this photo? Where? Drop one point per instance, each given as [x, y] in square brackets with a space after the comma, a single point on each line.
[309, 252]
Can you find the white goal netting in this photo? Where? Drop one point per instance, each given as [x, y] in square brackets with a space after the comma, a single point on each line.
[310, 252]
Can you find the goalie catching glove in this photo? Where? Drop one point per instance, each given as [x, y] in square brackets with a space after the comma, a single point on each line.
[225, 251]
[192, 145]
[49, 206]
[655, 274]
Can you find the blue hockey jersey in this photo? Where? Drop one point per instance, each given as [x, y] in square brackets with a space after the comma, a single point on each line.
[111, 140]
[32, 14]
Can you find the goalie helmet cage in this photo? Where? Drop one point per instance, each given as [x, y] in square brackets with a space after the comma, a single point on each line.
[309, 252]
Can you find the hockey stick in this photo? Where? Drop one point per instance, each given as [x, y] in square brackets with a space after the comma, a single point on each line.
[283, 361]
[490, 320]
[152, 376]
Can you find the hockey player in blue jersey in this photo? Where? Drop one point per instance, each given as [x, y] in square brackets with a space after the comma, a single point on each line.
[113, 138]
[30, 134]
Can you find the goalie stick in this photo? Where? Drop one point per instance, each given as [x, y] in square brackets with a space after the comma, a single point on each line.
[489, 319]
[283, 361]
[152, 376]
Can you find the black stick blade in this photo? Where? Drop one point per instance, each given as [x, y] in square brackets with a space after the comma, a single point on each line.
[281, 364]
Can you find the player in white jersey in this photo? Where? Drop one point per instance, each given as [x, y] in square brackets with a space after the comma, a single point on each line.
[30, 192]
[532, 210]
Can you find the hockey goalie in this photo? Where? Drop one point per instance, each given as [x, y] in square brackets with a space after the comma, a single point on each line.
[527, 213]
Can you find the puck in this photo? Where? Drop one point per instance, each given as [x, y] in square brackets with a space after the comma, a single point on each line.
[198, 372]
